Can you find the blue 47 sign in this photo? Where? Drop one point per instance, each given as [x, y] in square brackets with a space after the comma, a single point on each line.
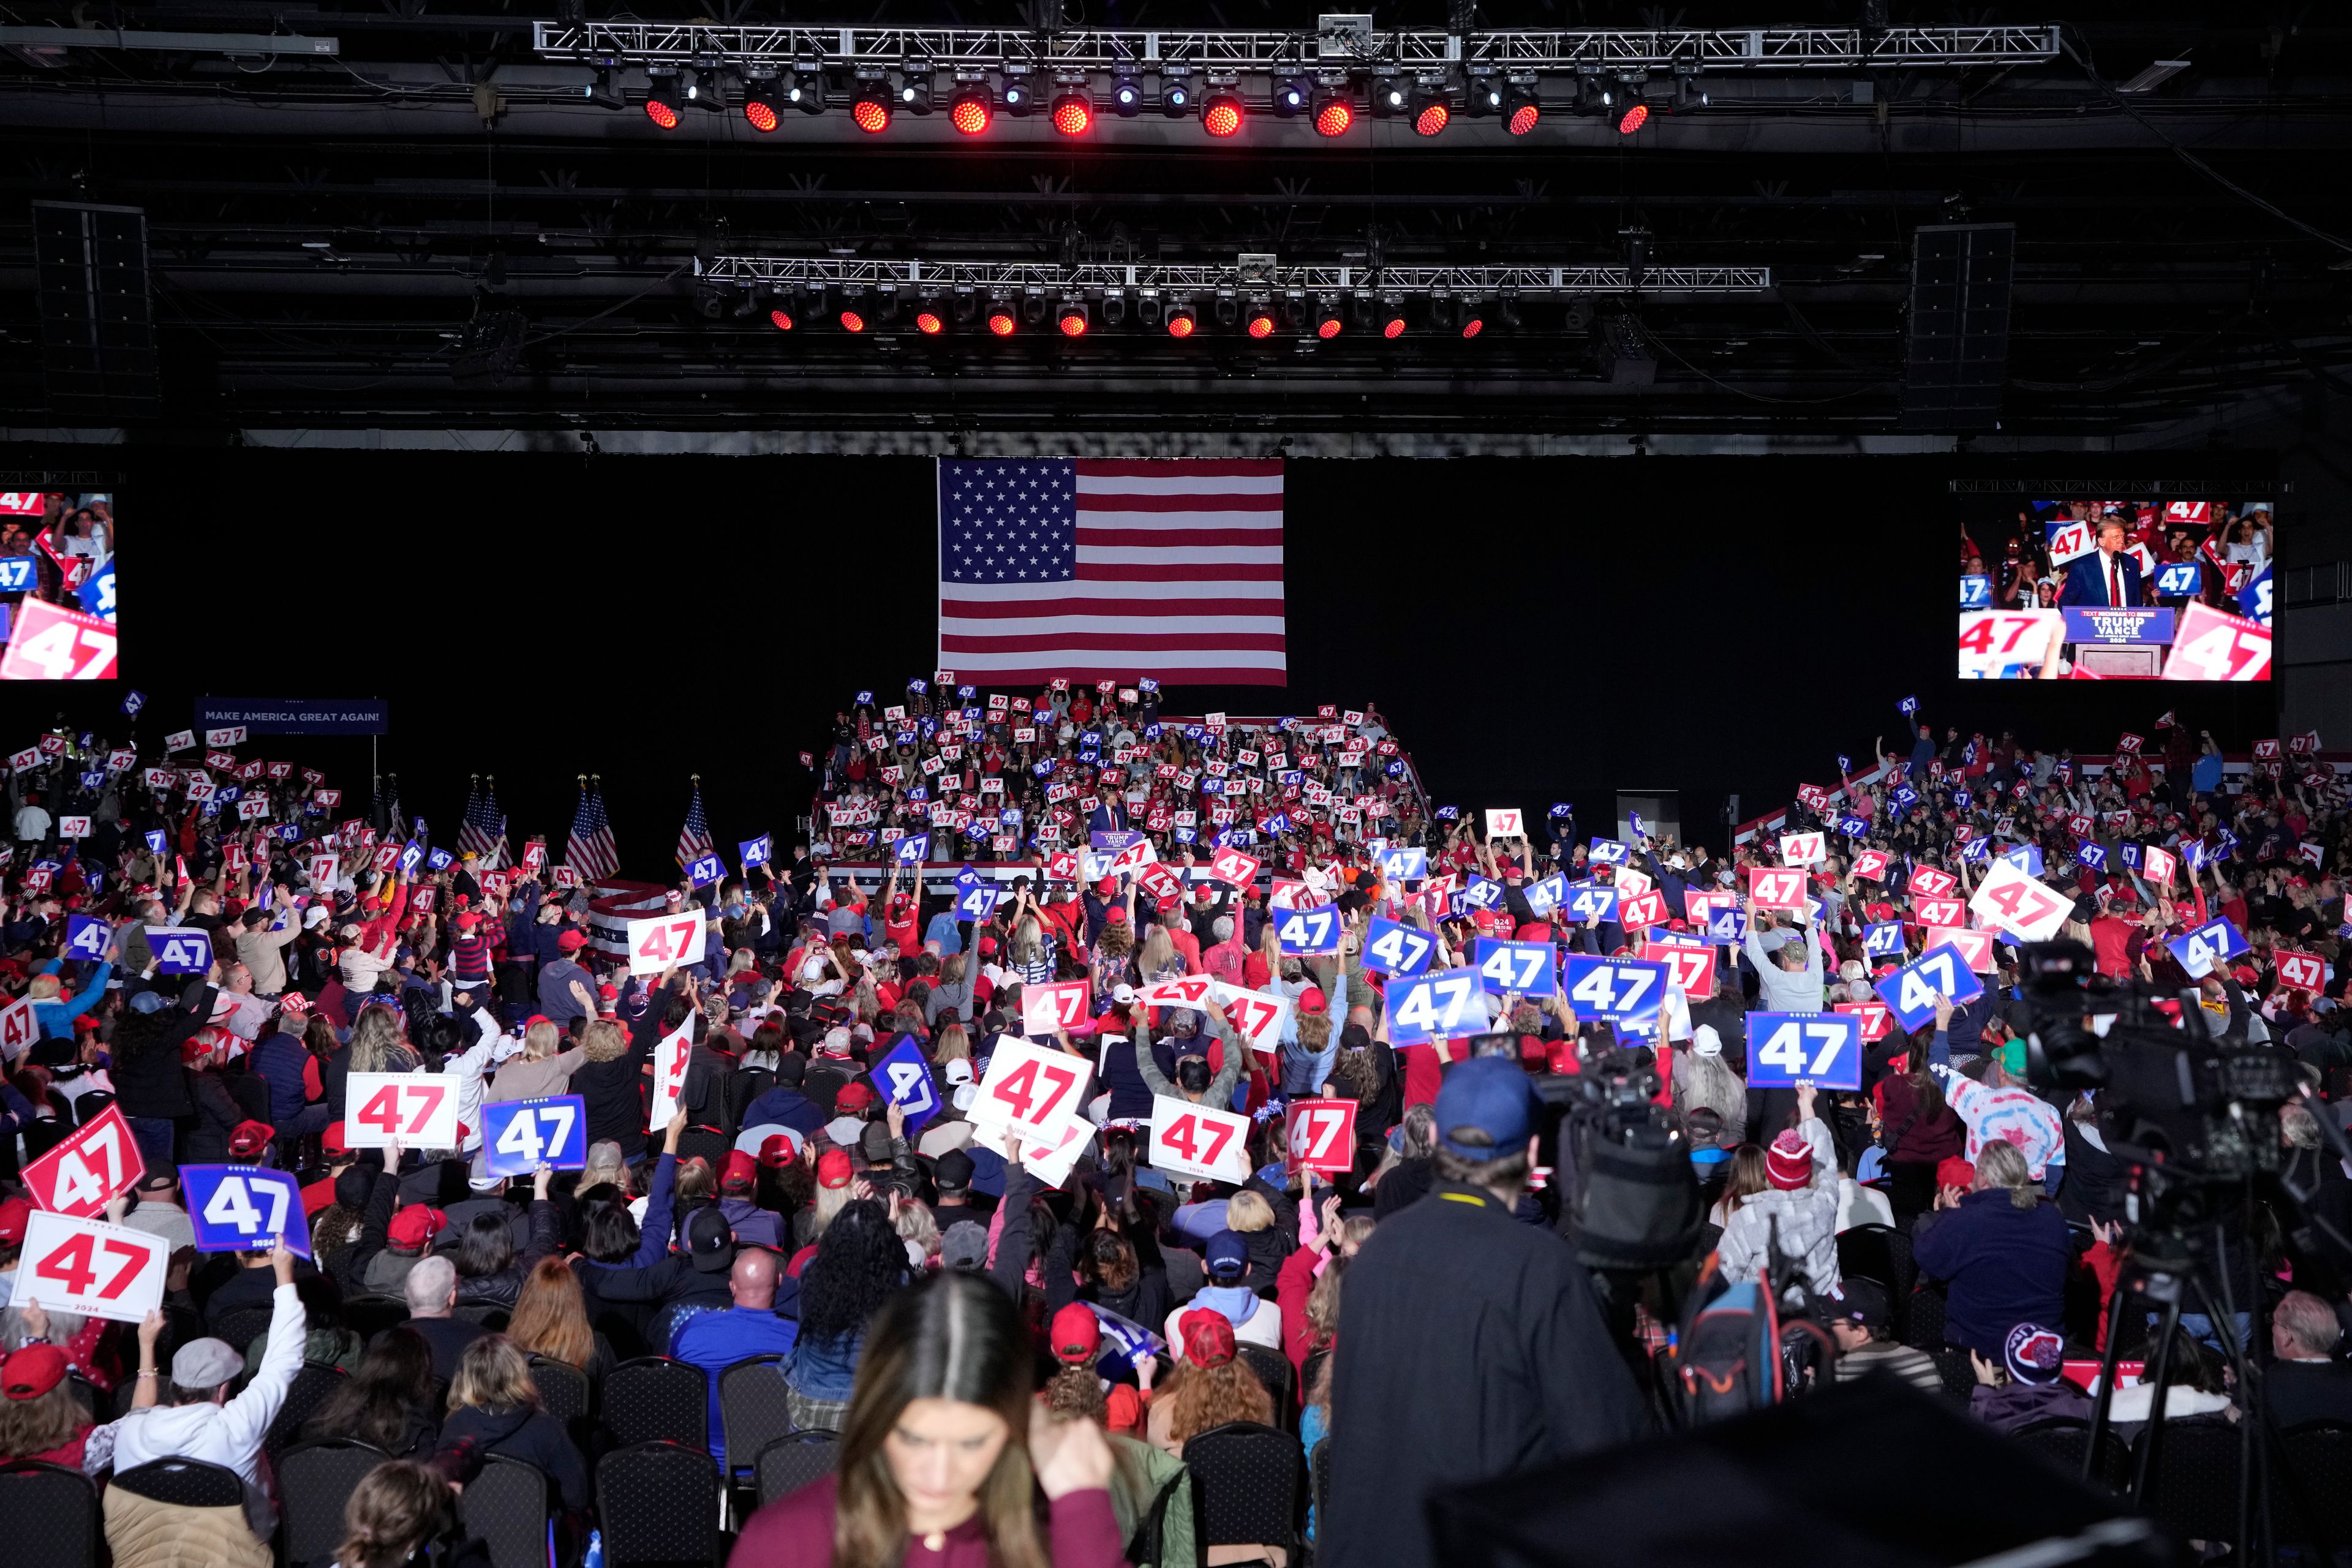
[1525, 967]
[518, 1136]
[2200, 950]
[1623, 990]
[1309, 931]
[1790, 1049]
[180, 950]
[1883, 941]
[1397, 951]
[1911, 991]
[243, 1209]
[904, 1078]
[705, 870]
[1436, 1006]
[87, 937]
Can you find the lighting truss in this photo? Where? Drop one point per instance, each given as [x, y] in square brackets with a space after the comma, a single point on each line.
[823, 272]
[1092, 49]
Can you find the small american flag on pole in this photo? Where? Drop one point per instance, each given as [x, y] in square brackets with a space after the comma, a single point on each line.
[1098, 570]
[694, 837]
[590, 850]
[483, 832]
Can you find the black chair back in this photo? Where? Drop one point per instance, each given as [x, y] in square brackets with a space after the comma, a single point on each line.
[91, 1106]
[1922, 1314]
[1959, 1375]
[658, 1502]
[2193, 1491]
[506, 1506]
[1251, 1484]
[370, 1315]
[2317, 1456]
[1272, 1370]
[2062, 1439]
[52, 1513]
[308, 1394]
[314, 1481]
[751, 1408]
[563, 1389]
[655, 1399]
[710, 1144]
[43, 1136]
[242, 1327]
[1318, 1474]
[1864, 1251]
[790, 1462]
[492, 1315]
[183, 1483]
[747, 1085]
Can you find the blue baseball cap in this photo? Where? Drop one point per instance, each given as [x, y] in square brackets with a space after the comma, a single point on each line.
[1491, 1094]
[1227, 1256]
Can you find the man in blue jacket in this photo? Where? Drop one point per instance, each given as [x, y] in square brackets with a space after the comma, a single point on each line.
[758, 1323]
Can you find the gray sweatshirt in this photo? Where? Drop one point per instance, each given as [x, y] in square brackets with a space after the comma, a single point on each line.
[1788, 991]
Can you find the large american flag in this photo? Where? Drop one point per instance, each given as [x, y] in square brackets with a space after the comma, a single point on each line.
[483, 830]
[590, 850]
[1102, 569]
[694, 836]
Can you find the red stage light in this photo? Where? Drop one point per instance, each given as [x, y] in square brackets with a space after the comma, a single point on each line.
[1394, 328]
[1431, 120]
[1222, 116]
[1073, 114]
[1473, 326]
[1334, 119]
[1327, 328]
[1073, 325]
[928, 322]
[1180, 324]
[970, 114]
[1524, 118]
[762, 116]
[1000, 322]
[871, 114]
[1634, 119]
[783, 319]
[661, 115]
[1261, 324]
[851, 321]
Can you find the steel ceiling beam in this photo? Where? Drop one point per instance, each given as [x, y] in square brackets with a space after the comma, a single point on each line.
[815, 273]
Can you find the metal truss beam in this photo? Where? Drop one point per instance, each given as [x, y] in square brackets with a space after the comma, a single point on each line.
[1611, 50]
[789, 272]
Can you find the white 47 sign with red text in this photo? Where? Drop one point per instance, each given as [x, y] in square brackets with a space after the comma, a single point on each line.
[1199, 1141]
[414, 1109]
[664, 941]
[2011, 901]
[1031, 1092]
[99, 1270]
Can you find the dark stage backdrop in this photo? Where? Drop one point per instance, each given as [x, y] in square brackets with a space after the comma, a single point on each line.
[1535, 630]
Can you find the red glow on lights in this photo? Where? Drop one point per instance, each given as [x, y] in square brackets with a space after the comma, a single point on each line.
[851, 321]
[1333, 119]
[1431, 120]
[1180, 326]
[1634, 119]
[1073, 115]
[928, 322]
[1523, 119]
[1473, 326]
[761, 116]
[1327, 328]
[783, 319]
[1222, 118]
[1395, 328]
[970, 116]
[1261, 325]
[1000, 323]
[661, 115]
[1073, 325]
[871, 114]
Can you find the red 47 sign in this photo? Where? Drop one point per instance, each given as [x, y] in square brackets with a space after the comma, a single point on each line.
[1031, 1091]
[51, 643]
[1046, 1008]
[1878, 1022]
[1642, 911]
[1199, 1141]
[1692, 968]
[2209, 646]
[2297, 971]
[1319, 1135]
[1937, 911]
[1869, 863]
[1776, 887]
[657, 942]
[81, 1175]
[1230, 866]
[1929, 883]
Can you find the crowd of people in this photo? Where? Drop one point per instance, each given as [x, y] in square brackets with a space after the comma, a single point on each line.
[806, 1151]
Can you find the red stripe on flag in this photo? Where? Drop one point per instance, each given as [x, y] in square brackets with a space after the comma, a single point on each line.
[1122, 572]
[1192, 501]
[1172, 538]
[1190, 468]
[1029, 609]
[1161, 642]
[1242, 675]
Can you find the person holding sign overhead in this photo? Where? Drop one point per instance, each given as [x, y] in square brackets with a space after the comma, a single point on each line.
[1798, 1209]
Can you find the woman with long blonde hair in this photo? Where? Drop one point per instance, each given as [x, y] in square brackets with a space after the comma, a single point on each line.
[378, 1043]
[494, 1403]
[943, 1444]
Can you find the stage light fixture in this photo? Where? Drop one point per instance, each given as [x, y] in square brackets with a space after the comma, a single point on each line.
[605, 92]
[1114, 307]
[852, 320]
[870, 110]
[1593, 99]
[1359, 308]
[1222, 112]
[704, 90]
[1147, 307]
[1483, 97]
[1072, 318]
[1292, 94]
[1019, 99]
[999, 316]
[970, 110]
[1127, 98]
[967, 307]
[1390, 95]
[1521, 110]
[1393, 320]
[913, 92]
[759, 101]
[885, 304]
[1229, 309]
[805, 90]
[1183, 321]
[781, 319]
[1688, 95]
[930, 316]
[1636, 118]
[1261, 319]
[662, 98]
[1506, 313]
[1074, 114]
[1473, 318]
[1429, 110]
[1033, 305]
[1441, 310]
[1334, 114]
[1175, 96]
[1328, 320]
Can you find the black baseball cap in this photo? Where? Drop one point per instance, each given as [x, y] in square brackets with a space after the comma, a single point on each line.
[710, 1240]
[1863, 1301]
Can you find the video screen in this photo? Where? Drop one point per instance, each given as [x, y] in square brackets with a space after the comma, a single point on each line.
[2134, 589]
[57, 584]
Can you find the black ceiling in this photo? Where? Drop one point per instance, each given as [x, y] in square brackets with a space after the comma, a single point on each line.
[322, 230]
